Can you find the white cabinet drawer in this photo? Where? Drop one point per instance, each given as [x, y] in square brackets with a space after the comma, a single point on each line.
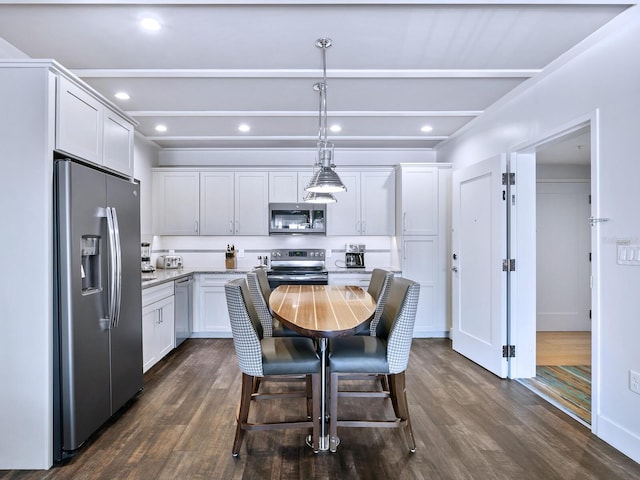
[157, 293]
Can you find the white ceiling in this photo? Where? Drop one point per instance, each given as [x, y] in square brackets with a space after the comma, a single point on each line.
[213, 65]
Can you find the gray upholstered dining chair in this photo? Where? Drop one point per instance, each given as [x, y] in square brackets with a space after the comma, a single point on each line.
[387, 354]
[260, 292]
[260, 356]
[379, 289]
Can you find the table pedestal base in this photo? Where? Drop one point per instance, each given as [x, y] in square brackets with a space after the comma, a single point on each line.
[325, 443]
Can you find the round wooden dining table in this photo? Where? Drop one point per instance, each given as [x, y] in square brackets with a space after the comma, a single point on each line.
[322, 312]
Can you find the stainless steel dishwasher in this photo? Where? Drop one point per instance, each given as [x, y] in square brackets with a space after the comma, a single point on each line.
[183, 308]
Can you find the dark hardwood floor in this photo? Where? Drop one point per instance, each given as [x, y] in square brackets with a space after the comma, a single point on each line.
[468, 424]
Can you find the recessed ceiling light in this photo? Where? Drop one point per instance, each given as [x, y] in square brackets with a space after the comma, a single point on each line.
[150, 24]
[426, 128]
[335, 128]
[161, 128]
[122, 96]
[244, 127]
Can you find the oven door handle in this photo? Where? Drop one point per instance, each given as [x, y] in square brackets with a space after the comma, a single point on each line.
[297, 277]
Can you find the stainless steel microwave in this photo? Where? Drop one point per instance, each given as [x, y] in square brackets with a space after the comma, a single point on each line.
[297, 218]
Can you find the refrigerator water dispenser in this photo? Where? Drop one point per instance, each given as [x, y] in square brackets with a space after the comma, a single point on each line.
[90, 264]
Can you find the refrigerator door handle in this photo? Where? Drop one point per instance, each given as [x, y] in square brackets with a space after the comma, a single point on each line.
[112, 266]
[118, 271]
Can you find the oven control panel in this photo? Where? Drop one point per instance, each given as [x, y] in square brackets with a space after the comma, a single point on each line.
[307, 257]
[303, 254]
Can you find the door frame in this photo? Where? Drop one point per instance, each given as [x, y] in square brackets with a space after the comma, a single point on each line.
[522, 292]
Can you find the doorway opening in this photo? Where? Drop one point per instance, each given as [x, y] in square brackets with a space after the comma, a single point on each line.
[563, 317]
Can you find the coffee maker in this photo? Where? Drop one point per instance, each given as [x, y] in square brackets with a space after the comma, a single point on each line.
[145, 249]
[354, 255]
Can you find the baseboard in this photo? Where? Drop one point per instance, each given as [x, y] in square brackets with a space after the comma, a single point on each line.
[619, 437]
[430, 334]
[211, 335]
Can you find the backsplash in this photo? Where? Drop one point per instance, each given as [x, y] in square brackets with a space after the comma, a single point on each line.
[208, 251]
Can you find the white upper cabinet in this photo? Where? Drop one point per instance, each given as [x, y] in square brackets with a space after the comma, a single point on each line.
[377, 203]
[287, 186]
[176, 202]
[343, 217]
[251, 203]
[87, 128]
[417, 200]
[367, 207]
[118, 143]
[216, 203]
[283, 186]
[80, 120]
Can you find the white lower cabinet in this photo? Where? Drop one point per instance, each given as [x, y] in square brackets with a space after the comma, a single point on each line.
[423, 263]
[158, 335]
[211, 315]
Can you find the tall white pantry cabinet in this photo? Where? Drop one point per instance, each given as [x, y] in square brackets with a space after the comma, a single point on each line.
[423, 232]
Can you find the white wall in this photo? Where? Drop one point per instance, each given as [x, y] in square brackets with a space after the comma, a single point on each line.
[145, 154]
[9, 51]
[604, 77]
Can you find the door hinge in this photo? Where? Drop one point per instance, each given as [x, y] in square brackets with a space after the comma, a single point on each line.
[508, 351]
[511, 177]
[509, 265]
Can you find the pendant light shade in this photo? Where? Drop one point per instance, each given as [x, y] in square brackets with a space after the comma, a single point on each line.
[325, 180]
[313, 197]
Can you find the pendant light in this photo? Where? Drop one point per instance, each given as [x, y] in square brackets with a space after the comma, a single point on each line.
[315, 197]
[325, 180]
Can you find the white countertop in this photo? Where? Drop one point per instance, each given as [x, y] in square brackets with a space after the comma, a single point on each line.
[150, 279]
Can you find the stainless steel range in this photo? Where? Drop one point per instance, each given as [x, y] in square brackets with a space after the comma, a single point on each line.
[297, 267]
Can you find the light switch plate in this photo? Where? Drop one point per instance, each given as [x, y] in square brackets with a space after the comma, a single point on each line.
[634, 381]
[628, 254]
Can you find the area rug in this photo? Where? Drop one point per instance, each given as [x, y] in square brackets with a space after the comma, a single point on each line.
[569, 387]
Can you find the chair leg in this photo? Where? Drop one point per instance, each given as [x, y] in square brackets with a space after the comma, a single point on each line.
[393, 395]
[333, 412]
[248, 384]
[399, 397]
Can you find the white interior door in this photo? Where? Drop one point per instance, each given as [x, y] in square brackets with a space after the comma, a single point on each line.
[563, 251]
[479, 327]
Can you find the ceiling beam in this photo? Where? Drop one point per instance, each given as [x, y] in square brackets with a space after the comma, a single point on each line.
[305, 73]
[302, 113]
[293, 137]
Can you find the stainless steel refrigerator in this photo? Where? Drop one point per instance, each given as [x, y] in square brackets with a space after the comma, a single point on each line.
[97, 301]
